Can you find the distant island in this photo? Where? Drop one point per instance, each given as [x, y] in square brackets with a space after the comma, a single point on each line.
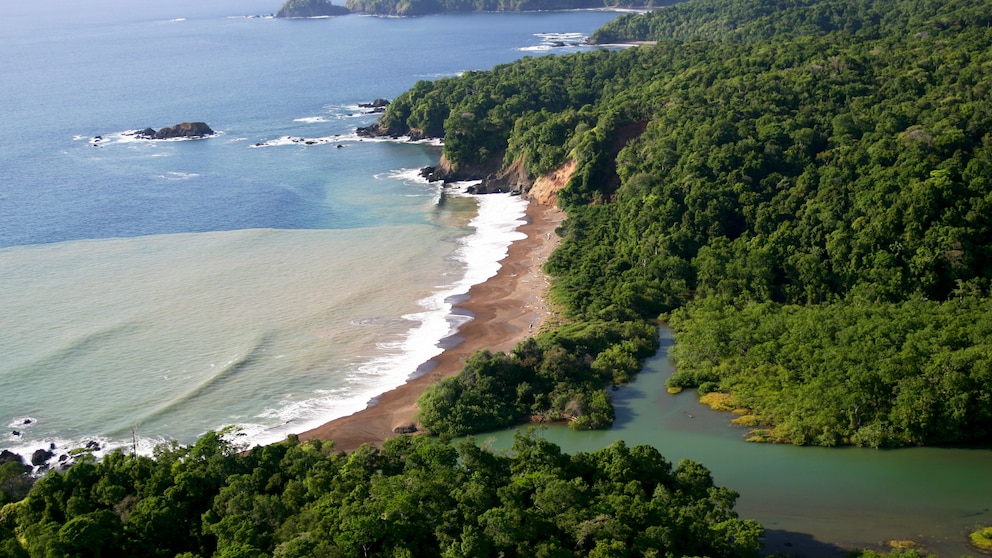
[310, 8]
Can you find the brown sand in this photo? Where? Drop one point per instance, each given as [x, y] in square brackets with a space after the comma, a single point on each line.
[507, 309]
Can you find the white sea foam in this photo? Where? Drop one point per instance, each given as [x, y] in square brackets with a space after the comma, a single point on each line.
[179, 175]
[551, 41]
[299, 140]
[405, 175]
[310, 119]
[340, 139]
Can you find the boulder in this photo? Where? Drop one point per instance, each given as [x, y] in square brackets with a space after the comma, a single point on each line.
[7, 456]
[41, 457]
[146, 133]
[185, 130]
[408, 428]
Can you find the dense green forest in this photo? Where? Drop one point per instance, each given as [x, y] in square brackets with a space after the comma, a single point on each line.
[771, 19]
[552, 377]
[424, 7]
[836, 174]
[414, 497]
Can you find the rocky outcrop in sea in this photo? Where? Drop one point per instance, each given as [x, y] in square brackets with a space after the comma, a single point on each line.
[188, 130]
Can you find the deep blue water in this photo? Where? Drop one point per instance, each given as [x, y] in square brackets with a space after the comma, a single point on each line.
[116, 66]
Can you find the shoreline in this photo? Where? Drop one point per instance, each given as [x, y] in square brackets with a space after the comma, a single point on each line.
[506, 309]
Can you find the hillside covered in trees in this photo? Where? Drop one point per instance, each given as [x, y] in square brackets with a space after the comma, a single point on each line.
[425, 7]
[414, 497]
[804, 189]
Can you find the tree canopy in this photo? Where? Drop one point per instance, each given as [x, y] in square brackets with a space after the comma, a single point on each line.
[414, 497]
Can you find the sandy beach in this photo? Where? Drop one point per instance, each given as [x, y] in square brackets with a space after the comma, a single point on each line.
[507, 309]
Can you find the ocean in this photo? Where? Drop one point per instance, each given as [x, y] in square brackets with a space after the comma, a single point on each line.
[275, 276]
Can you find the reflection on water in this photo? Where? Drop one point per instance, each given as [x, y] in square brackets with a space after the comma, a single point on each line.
[811, 500]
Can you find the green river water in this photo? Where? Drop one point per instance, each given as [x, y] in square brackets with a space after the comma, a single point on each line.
[812, 501]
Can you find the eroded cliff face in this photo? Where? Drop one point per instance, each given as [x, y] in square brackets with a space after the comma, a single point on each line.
[545, 189]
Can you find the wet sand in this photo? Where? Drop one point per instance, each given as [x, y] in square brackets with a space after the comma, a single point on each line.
[506, 309]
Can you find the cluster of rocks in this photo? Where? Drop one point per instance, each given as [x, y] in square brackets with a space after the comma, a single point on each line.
[376, 106]
[189, 130]
[496, 179]
[41, 459]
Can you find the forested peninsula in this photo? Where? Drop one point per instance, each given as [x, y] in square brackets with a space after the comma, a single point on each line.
[802, 190]
[425, 7]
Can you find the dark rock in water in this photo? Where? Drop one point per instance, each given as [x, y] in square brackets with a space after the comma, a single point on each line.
[378, 103]
[51, 446]
[409, 428]
[27, 421]
[374, 131]
[146, 133]
[63, 458]
[41, 457]
[15, 432]
[93, 445]
[184, 130]
[428, 173]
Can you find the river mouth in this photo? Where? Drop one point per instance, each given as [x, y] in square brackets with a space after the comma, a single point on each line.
[812, 501]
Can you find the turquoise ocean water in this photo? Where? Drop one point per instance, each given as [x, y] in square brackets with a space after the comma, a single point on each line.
[169, 288]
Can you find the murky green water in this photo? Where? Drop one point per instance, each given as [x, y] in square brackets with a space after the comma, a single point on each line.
[817, 501]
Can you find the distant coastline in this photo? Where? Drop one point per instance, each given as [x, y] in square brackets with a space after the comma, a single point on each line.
[324, 8]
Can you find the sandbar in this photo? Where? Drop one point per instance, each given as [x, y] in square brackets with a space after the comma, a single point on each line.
[506, 309]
